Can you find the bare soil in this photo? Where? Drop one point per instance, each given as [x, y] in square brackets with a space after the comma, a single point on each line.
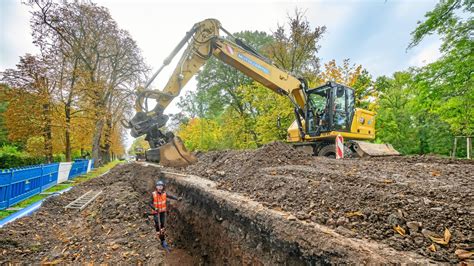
[359, 198]
[112, 229]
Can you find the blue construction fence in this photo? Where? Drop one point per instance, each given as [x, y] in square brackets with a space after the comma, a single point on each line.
[18, 184]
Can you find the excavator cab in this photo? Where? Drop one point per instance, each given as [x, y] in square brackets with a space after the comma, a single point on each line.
[330, 111]
[329, 108]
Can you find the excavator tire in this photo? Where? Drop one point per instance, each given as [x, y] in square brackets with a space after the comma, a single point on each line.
[330, 151]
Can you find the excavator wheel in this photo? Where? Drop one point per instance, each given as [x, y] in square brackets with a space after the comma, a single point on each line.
[330, 151]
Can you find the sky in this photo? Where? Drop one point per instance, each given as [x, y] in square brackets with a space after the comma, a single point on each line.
[373, 33]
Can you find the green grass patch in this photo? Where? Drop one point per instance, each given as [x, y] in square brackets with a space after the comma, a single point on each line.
[22, 204]
[5, 213]
[58, 187]
[80, 179]
[96, 172]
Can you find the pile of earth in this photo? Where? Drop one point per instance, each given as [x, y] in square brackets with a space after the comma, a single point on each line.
[418, 196]
[229, 164]
[112, 229]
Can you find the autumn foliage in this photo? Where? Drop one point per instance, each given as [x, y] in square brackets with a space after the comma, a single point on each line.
[70, 98]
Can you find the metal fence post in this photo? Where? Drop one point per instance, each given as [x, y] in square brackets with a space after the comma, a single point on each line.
[41, 178]
[468, 147]
[454, 147]
[9, 189]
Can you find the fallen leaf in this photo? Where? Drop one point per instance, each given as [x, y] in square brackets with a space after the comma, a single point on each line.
[463, 254]
[356, 213]
[435, 173]
[399, 230]
[432, 247]
[442, 240]
[447, 235]
[52, 262]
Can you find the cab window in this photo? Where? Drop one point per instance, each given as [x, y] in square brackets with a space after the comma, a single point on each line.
[340, 115]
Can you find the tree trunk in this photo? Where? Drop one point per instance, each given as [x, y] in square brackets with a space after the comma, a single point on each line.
[67, 110]
[107, 140]
[99, 125]
[48, 139]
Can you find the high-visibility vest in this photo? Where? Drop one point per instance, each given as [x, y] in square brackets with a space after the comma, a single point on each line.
[159, 201]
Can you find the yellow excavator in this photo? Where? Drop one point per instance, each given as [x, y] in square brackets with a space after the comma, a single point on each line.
[321, 113]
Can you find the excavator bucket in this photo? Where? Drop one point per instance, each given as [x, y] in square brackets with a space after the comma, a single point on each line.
[365, 149]
[174, 154]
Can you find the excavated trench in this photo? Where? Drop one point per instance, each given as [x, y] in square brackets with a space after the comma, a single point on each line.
[218, 232]
[222, 228]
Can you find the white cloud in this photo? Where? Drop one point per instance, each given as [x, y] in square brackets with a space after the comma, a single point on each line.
[15, 33]
[426, 55]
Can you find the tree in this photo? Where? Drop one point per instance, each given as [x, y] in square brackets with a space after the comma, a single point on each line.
[3, 108]
[202, 134]
[447, 84]
[354, 76]
[31, 83]
[404, 118]
[395, 120]
[295, 48]
[107, 59]
[139, 142]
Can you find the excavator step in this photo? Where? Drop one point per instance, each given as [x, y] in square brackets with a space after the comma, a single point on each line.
[84, 200]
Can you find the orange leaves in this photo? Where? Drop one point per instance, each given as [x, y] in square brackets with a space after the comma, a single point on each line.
[442, 240]
[399, 230]
[347, 74]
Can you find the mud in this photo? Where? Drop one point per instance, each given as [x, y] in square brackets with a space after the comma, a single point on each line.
[112, 229]
[360, 199]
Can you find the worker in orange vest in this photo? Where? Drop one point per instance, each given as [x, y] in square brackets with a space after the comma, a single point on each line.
[158, 203]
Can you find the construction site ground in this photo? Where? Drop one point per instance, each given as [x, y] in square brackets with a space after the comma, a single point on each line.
[359, 198]
[271, 205]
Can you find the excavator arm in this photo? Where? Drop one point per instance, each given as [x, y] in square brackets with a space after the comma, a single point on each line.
[203, 41]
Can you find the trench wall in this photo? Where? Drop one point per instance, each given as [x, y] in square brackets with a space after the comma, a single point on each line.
[227, 228]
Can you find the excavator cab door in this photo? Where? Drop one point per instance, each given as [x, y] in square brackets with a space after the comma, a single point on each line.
[343, 108]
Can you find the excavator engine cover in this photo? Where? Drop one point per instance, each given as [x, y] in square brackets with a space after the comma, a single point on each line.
[364, 149]
[171, 154]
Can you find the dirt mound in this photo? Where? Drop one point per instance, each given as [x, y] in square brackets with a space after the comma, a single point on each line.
[217, 165]
[111, 230]
[421, 159]
[360, 198]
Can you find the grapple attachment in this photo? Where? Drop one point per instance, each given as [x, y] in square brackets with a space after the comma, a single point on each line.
[365, 149]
